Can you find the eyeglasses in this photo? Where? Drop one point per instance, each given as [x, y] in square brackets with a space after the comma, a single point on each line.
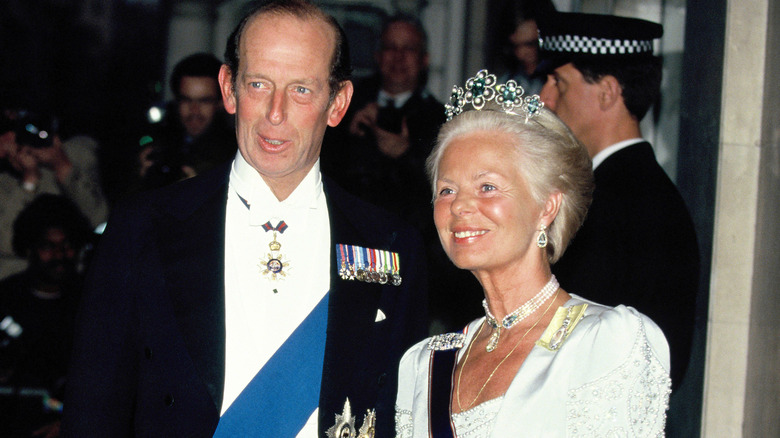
[184, 100]
[401, 49]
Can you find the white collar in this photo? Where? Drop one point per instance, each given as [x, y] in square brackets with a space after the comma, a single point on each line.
[609, 150]
[252, 187]
[399, 100]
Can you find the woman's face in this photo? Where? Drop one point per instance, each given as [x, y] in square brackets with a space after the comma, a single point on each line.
[484, 212]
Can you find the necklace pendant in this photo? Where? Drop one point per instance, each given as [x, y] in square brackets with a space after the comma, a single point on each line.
[493, 341]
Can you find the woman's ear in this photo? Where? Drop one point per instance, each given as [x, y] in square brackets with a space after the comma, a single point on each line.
[551, 208]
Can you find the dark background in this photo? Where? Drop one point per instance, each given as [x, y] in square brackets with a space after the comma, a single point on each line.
[96, 65]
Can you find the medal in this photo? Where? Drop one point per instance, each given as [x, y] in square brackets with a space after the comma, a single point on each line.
[342, 263]
[381, 263]
[345, 425]
[360, 266]
[374, 273]
[395, 269]
[274, 263]
[367, 264]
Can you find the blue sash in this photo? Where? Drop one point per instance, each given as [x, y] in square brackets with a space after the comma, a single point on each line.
[285, 392]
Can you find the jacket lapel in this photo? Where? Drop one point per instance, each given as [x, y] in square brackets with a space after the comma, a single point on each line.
[192, 242]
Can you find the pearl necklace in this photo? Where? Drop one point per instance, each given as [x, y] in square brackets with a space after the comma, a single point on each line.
[519, 314]
[468, 352]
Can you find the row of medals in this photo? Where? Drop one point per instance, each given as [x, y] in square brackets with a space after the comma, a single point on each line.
[369, 275]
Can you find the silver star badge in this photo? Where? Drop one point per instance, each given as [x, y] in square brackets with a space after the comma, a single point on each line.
[345, 424]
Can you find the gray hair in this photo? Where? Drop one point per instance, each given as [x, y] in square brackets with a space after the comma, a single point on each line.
[549, 157]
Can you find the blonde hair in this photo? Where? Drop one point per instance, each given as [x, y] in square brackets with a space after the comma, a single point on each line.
[549, 157]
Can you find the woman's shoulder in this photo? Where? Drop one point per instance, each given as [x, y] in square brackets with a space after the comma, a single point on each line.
[614, 363]
[626, 321]
[616, 333]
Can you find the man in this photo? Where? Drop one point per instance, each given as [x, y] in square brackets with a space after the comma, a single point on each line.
[41, 303]
[33, 161]
[379, 152]
[524, 57]
[195, 135]
[637, 245]
[230, 293]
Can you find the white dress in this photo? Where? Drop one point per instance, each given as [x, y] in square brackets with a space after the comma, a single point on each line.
[608, 377]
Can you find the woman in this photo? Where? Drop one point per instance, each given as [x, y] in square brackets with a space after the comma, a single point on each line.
[511, 187]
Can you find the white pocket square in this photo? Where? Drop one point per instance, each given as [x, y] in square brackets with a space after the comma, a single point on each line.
[380, 315]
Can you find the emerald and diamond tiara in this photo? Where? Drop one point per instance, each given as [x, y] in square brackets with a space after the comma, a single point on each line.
[482, 88]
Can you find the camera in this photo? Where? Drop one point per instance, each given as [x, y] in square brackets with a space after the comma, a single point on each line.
[10, 331]
[35, 130]
[390, 119]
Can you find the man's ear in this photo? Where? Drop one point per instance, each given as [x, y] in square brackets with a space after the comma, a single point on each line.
[226, 86]
[338, 108]
[610, 92]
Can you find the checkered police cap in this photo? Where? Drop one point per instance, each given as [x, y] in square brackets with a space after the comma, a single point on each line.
[577, 35]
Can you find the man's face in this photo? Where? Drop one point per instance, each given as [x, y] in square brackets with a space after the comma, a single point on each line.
[281, 97]
[525, 44]
[572, 99]
[198, 103]
[53, 258]
[401, 58]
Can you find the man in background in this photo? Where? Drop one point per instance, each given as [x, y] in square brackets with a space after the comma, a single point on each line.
[379, 151]
[637, 245]
[37, 312]
[196, 134]
[524, 58]
[34, 160]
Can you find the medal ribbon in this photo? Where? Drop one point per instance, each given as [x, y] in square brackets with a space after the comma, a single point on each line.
[364, 258]
[367, 264]
[341, 262]
[372, 261]
[280, 227]
[378, 260]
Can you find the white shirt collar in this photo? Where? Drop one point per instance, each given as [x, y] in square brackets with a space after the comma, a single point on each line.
[609, 150]
[399, 100]
[253, 188]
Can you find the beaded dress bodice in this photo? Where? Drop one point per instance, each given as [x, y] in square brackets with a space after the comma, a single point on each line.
[608, 378]
[478, 421]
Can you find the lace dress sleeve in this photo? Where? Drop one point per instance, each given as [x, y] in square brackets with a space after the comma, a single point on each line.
[631, 400]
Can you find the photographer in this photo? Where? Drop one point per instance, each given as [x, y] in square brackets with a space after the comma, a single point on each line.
[37, 311]
[196, 133]
[34, 160]
[378, 152]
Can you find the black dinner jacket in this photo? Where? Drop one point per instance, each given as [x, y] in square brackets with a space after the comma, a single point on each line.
[150, 340]
[638, 247]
